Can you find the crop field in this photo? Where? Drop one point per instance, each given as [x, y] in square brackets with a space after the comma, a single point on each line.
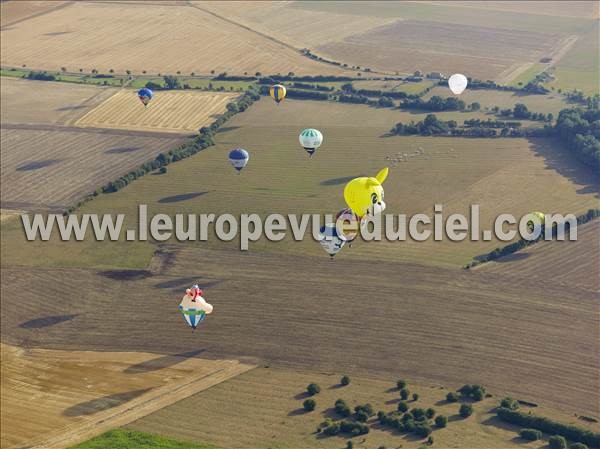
[52, 168]
[571, 264]
[77, 393]
[551, 103]
[106, 36]
[445, 326]
[280, 178]
[14, 12]
[46, 102]
[231, 418]
[169, 111]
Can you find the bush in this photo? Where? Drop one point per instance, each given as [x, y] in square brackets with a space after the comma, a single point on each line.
[313, 389]
[418, 413]
[465, 410]
[404, 394]
[415, 396]
[509, 403]
[309, 405]
[530, 434]
[332, 429]
[362, 416]
[465, 390]
[441, 421]
[401, 384]
[341, 408]
[430, 413]
[423, 430]
[557, 442]
[451, 397]
[367, 408]
[345, 380]
[402, 406]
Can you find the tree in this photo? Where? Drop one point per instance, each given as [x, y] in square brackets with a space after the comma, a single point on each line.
[521, 111]
[475, 106]
[441, 421]
[258, 74]
[313, 389]
[418, 413]
[423, 430]
[171, 82]
[345, 380]
[233, 108]
[63, 69]
[111, 71]
[402, 406]
[415, 396]
[362, 416]
[465, 410]
[530, 434]
[404, 394]
[128, 72]
[309, 405]
[430, 412]
[509, 403]
[401, 384]
[557, 442]
[341, 408]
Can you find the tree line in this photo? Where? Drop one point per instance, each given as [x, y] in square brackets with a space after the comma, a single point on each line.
[579, 130]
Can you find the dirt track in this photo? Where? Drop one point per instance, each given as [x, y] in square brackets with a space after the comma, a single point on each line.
[532, 338]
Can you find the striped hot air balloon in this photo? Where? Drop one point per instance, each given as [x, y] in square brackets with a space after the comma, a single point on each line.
[145, 95]
[277, 93]
[310, 139]
[239, 158]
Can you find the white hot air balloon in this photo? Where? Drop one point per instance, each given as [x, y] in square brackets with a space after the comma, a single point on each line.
[310, 139]
[330, 241]
[457, 83]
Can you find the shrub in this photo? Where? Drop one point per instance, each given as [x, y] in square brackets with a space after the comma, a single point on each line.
[367, 408]
[430, 440]
[509, 403]
[341, 408]
[430, 412]
[362, 416]
[332, 429]
[423, 430]
[345, 380]
[465, 410]
[401, 384]
[309, 405]
[477, 392]
[415, 396]
[451, 397]
[530, 434]
[418, 413]
[557, 442]
[441, 421]
[465, 390]
[402, 406]
[313, 389]
[404, 394]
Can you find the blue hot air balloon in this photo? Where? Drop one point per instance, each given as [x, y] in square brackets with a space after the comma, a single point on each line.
[238, 158]
[145, 95]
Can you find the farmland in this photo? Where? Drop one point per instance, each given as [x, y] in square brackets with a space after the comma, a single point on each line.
[107, 36]
[233, 419]
[170, 111]
[79, 393]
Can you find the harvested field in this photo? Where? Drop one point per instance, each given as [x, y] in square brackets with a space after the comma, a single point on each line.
[80, 394]
[425, 324]
[169, 111]
[131, 36]
[284, 424]
[575, 264]
[53, 167]
[573, 8]
[13, 12]
[47, 102]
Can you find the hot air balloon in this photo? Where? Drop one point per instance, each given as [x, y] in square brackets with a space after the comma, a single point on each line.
[145, 95]
[239, 158]
[347, 224]
[310, 139]
[193, 307]
[277, 93]
[457, 83]
[330, 241]
[536, 219]
[365, 195]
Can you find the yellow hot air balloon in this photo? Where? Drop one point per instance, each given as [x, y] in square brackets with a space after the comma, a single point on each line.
[277, 93]
[365, 195]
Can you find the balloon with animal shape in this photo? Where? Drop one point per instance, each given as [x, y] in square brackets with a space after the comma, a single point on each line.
[365, 195]
[194, 307]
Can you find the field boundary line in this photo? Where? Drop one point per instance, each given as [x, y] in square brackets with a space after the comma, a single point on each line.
[38, 14]
[138, 408]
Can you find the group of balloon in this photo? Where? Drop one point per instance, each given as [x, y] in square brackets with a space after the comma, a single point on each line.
[363, 196]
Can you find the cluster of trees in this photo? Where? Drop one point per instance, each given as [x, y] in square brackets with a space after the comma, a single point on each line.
[475, 392]
[520, 111]
[435, 103]
[276, 79]
[40, 76]
[489, 123]
[548, 425]
[352, 428]
[533, 87]
[200, 142]
[591, 214]
[430, 126]
[307, 86]
[579, 130]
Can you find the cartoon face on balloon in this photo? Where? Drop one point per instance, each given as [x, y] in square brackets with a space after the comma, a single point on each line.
[365, 195]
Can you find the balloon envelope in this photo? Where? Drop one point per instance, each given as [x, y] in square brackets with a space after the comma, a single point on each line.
[194, 312]
[457, 83]
[145, 95]
[330, 241]
[310, 139]
[277, 92]
[239, 158]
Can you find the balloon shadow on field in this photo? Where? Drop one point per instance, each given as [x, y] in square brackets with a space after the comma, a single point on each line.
[46, 321]
[36, 165]
[181, 197]
[126, 275]
[104, 403]
[225, 129]
[338, 181]
[162, 362]
[122, 150]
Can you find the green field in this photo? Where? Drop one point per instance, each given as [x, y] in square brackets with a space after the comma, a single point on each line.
[528, 75]
[280, 178]
[131, 439]
[202, 83]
